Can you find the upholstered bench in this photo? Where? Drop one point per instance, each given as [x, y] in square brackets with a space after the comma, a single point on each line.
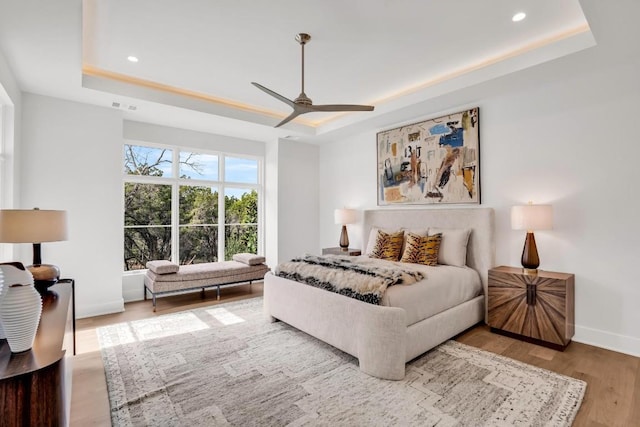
[165, 277]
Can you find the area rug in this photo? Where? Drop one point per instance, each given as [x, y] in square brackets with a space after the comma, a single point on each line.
[225, 365]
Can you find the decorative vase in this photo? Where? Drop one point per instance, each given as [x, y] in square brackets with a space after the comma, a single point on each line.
[20, 307]
[21, 310]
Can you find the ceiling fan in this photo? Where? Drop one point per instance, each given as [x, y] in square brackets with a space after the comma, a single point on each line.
[303, 104]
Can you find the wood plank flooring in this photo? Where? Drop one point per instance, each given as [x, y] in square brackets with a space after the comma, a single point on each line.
[612, 397]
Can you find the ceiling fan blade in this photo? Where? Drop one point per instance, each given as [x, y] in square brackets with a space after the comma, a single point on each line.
[341, 107]
[274, 94]
[290, 117]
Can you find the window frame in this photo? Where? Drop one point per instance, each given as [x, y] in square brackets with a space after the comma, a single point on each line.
[176, 182]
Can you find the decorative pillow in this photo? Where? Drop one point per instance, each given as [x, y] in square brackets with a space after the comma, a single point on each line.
[163, 267]
[388, 246]
[373, 236]
[422, 249]
[249, 259]
[453, 248]
[419, 231]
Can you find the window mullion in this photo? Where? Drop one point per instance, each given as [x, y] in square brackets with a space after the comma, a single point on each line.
[175, 207]
[221, 211]
[260, 217]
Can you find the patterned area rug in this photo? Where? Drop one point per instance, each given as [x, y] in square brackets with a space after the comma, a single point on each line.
[225, 365]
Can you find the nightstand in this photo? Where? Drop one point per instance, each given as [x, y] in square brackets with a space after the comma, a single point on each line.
[534, 307]
[339, 251]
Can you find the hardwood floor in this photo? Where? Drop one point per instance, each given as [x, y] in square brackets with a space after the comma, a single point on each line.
[613, 379]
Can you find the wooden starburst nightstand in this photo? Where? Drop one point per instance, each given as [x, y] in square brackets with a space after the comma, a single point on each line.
[534, 307]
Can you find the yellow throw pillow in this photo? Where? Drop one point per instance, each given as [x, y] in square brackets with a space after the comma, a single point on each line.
[388, 246]
[422, 249]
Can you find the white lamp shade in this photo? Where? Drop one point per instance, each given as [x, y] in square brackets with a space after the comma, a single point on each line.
[532, 217]
[345, 216]
[32, 226]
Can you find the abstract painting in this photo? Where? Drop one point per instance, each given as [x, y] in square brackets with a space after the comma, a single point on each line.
[435, 161]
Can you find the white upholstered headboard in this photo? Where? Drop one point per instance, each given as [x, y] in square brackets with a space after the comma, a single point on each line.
[481, 249]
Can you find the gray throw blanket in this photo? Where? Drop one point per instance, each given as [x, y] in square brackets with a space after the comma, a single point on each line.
[342, 275]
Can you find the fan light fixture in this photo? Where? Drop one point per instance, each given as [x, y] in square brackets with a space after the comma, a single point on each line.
[303, 104]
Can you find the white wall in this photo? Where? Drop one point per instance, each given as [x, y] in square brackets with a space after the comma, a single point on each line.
[292, 200]
[271, 202]
[298, 207]
[71, 160]
[561, 133]
[188, 138]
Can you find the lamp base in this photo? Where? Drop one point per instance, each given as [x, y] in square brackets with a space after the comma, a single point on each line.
[530, 259]
[344, 239]
[530, 271]
[44, 276]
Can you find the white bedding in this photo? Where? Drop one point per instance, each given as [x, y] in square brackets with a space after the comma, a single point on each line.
[443, 287]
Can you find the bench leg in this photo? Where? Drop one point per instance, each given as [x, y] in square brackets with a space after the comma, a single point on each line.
[218, 298]
[202, 293]
[154, 302]
[144, 290]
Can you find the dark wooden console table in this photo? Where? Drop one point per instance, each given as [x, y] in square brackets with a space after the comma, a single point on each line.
[35, 385]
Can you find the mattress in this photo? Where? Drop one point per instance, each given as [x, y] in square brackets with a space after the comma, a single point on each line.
[442, 288]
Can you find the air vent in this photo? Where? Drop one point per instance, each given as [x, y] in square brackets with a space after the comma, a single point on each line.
[121, 106]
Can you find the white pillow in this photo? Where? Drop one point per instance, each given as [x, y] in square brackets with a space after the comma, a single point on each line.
[453, 248]
[373, 235]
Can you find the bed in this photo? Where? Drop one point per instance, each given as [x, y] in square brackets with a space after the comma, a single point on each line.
[384, 337]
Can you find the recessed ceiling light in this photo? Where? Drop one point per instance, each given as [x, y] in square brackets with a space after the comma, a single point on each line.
[132, 58]
[519, 17]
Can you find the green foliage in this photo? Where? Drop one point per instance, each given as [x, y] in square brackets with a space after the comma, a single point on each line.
[241, 238]
[198, 243]
[146, 204]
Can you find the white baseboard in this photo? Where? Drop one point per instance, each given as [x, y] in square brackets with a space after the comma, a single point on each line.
[91, 310]
[132, 287]
[615, 342]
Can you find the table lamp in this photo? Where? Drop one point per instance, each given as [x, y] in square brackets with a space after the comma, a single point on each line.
[344, 217]
[35, 226]
[531, 218]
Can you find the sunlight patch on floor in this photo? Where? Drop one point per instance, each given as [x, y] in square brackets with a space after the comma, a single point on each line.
[224, 316]
[154, 328]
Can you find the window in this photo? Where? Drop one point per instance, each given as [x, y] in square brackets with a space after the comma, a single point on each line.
[189, 206]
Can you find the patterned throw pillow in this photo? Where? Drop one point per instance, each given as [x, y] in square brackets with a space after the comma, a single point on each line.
[388, 246]
[422, 249]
